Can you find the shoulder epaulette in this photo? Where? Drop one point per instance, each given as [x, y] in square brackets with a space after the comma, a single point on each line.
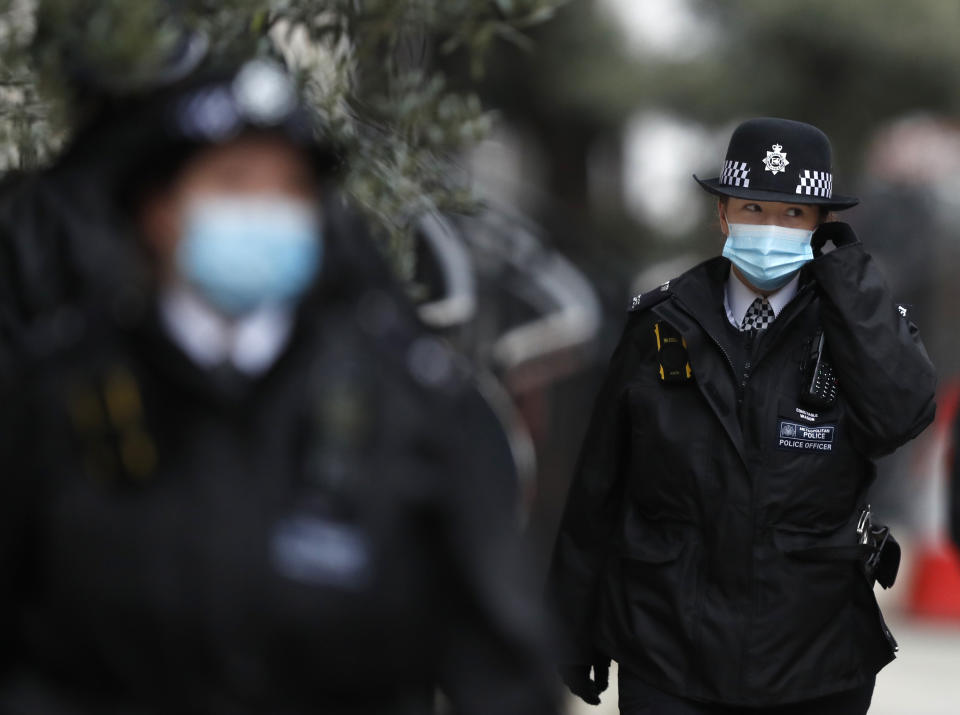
[642, 301]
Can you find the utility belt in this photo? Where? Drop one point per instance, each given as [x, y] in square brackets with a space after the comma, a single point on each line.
[882, 552]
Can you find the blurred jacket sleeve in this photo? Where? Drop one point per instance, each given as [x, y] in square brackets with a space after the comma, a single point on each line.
[9, 306]
[882, 366]
[593, 507]
[495, 651]
[16, 506]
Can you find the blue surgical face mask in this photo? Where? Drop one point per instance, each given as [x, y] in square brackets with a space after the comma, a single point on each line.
[244, 252]
[768, 256]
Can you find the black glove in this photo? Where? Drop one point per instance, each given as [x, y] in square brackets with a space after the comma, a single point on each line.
[838, 232]
[577, 678]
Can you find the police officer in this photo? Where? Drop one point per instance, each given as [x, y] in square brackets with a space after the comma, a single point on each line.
[253, 485]
[716, 542]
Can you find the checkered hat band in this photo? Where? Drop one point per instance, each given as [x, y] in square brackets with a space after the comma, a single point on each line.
[816, 183]
[735, 174]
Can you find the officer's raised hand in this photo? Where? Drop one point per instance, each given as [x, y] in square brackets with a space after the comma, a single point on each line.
[839, 233]
[577, 678]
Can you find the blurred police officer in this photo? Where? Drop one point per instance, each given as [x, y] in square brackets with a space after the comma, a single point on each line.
[717, 542]
[248, 483]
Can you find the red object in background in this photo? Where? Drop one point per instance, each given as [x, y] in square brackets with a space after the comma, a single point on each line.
[935, 590]
[935, 586]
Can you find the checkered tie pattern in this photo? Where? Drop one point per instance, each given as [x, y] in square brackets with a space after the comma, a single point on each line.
[759, 315]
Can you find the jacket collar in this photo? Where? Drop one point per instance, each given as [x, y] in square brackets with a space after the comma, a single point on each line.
[700, 292]
[738, 297]
[250, 344]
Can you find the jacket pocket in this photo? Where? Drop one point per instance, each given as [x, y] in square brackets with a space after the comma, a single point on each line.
[814, 573]
[837, 557]
[840, 545]
[807, 601]
[658, 595]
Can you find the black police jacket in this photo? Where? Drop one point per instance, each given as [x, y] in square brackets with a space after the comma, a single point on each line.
[337, 536]
[709, 542]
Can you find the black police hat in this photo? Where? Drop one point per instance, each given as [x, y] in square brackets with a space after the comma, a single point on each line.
[151, 135]
[216, 106]
[778, 160]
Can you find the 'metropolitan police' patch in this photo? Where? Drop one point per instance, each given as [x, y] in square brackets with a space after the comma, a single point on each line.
[805, 438]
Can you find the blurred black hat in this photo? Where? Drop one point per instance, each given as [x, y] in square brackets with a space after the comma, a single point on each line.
[778, 160]
[216, 106]
[146, 90]
[149, 136]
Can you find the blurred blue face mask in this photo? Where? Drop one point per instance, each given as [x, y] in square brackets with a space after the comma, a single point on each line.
[244, 252]
[768, 256]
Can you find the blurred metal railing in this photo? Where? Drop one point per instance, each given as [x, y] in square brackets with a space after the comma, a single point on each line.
[546, 309]
[457, 302]
[522, 312]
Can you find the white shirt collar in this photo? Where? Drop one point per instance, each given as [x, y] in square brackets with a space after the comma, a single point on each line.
[738, 297]
[251, 343]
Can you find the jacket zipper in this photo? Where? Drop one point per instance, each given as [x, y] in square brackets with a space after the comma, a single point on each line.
[741, 383]
[747, 365]
[741, 392]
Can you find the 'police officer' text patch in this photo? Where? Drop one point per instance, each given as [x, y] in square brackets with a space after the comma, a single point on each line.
[805, 438]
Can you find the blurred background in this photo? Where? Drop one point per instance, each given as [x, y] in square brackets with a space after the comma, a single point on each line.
[529, 165]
